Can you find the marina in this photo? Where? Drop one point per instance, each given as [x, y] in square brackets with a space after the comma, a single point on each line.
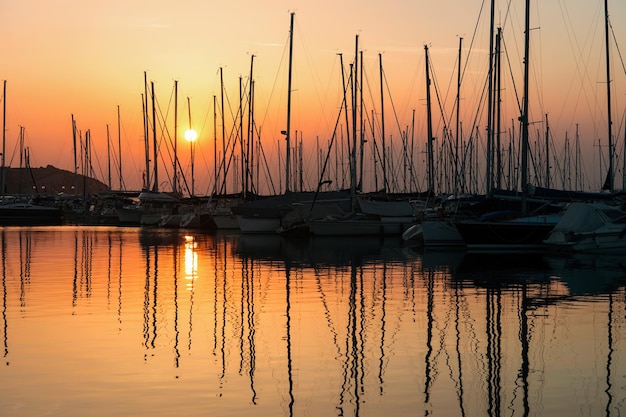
[358, 226]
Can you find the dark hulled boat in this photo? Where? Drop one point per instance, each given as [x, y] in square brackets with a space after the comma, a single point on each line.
[26, 214]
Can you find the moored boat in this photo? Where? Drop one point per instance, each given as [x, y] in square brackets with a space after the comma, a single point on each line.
[590, 227]
[27, 214]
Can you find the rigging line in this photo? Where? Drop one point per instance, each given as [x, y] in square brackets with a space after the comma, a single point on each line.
[469, 50]
[619, 52]
[274, 85]
[508, 60]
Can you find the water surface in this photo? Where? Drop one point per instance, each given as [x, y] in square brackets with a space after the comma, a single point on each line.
[147, 322]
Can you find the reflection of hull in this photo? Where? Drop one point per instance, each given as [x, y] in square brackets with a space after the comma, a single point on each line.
[29, 215]
[322, 250]
[574, 270]
[153, 237]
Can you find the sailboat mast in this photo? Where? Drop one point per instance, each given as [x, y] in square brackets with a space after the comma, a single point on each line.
[119, 146]
[75, 155]
[249, 166]
[288, 131]
[524, 116]
[191, 149]
[624, 162]
[361, 132]
[223, 131]
[547, 152]
[215, 142]
[109, 158]
[608, 95]
[490, 100]
[175, 174]
[429, 121]
[4, 135]
[382, 123]
[144, 105]
[155, 187]
[458, 110]
[497, 110]
[355, 84]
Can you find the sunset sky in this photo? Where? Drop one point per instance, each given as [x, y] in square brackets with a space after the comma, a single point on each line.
[82, 58]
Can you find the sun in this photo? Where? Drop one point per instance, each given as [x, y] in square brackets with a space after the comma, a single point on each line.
[191, 135]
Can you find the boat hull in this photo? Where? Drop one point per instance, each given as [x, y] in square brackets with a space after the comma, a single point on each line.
[30, 215]
[497, 236]
[441, 234]
[358, 227]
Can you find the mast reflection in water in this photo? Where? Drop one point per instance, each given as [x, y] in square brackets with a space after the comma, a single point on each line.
[148, 322]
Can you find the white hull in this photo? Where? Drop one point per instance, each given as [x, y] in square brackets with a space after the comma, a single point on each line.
[441, 234]
[592, 228]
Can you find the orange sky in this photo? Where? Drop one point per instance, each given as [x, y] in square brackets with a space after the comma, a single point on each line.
[71, 57]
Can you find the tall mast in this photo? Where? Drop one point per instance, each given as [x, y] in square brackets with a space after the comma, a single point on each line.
[497, 110]
[458, 110]
[382, 123]
[288, 131]
[489, 161]
[155, 187]
[547, 152]
[144, 105]
[175, 174]
[524, 116]
[109, 158]
[243, 165]
[608, 95]
[4, 135]
[624, 162]
[191, 149]
[429, 121]
[361, 132]
[250, 131]
[214, 143]
[75, 155]
[119, 145]
[223, 131]
[345, 102]
[355, 83]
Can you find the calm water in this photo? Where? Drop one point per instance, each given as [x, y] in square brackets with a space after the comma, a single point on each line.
[131, 322]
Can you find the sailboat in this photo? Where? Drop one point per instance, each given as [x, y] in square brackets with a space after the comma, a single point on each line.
[151, 204]
[596, 226]
[378, 215]
[265, 214]
[506, 230]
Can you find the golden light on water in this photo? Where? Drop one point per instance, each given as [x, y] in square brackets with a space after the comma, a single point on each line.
[191, 260]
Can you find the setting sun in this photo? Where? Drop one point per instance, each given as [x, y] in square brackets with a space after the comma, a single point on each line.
[191, 135]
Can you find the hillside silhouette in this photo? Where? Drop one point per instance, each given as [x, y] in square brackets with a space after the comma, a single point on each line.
[49, 180]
